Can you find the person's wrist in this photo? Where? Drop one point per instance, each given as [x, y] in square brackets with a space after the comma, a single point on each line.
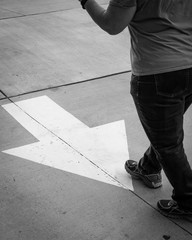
[83, 2]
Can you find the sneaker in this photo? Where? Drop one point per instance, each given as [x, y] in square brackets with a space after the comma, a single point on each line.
[170, 208]
[151, 180]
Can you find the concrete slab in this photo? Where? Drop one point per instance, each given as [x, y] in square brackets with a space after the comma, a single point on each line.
[8, 14]
[95, 102]
[26, 7]
[2, 96]
[107, 100]
[11, 131]
[54, 49]
[38, 202]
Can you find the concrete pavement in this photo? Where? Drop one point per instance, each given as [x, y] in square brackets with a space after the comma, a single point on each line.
[55, 50]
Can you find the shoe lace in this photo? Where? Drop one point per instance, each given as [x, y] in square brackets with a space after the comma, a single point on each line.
[172, 203]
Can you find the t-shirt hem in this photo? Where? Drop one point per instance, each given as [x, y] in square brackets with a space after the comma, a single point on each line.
[143, 73]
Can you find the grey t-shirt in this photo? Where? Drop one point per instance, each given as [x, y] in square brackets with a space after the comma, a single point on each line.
[161, 35]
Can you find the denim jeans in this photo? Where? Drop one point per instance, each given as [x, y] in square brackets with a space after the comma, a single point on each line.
[161, 101]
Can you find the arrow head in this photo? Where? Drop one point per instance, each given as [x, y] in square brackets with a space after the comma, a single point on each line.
[68, 144]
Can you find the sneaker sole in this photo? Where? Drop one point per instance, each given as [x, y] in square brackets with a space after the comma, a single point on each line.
[174, 216]
[144, 179]
[179, 217]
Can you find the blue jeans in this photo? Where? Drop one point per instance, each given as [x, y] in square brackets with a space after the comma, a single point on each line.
[161, 101]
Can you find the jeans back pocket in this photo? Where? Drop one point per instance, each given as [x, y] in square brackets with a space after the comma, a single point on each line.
[172, 84]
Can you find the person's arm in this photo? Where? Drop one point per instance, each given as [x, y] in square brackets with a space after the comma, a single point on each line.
[113, 20]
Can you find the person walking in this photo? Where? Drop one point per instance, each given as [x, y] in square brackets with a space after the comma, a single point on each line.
[161, 87]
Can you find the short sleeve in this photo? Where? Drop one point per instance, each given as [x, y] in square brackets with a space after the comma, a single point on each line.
[123, 3]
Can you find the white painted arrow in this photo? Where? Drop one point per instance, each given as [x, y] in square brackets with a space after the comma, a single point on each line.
[68, 144]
